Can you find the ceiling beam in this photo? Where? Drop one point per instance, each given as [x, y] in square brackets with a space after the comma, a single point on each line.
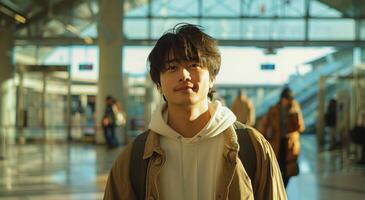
[69, 41]
[59, 7]
[2, 4]
[9, 13]
[349, 8]
[242, 17]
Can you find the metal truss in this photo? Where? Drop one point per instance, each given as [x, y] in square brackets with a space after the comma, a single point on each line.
[164, 11]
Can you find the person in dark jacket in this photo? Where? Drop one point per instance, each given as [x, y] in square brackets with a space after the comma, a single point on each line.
[109, 123]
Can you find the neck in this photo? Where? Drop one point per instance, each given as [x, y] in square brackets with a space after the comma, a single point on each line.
[188, 121]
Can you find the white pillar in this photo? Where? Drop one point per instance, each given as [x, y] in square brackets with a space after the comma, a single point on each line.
[356, 56]
[152, 99]
[110, 39]
[7, 89]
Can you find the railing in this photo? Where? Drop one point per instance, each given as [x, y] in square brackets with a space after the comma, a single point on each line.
[306, 86]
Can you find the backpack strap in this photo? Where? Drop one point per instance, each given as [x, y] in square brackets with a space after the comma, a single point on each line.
[138, 166]
[247, 153]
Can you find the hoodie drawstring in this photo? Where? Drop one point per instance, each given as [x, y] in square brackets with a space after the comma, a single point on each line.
[182, 164]
[197, 162]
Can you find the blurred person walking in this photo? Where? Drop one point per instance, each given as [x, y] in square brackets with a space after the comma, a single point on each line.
[109, 122]
[330, 118]
[282, 126]
[243, 108]
[121, 119]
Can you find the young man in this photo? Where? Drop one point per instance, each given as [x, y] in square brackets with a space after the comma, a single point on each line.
[191, 148]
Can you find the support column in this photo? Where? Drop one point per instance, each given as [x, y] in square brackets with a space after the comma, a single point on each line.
[43, 111]
[7, 90]
[110, 39]
[21, 113]
[68, 110]
[356, 56]
[151, 101]
[321, 110]
[355, 104]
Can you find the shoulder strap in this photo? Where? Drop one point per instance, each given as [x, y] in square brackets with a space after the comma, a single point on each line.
[247, 153]
[138, 166]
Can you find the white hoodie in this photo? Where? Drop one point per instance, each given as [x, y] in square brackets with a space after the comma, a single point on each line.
[192, 164]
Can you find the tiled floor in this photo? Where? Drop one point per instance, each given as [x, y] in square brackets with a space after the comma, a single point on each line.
[79, 171]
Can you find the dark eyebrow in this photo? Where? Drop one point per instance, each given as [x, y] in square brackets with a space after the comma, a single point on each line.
[180, 60]
[173, 60]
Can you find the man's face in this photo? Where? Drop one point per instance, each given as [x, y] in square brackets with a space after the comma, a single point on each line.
[185, 83]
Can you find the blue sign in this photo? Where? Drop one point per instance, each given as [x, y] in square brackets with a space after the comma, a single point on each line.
[85, 67]
[268, 66]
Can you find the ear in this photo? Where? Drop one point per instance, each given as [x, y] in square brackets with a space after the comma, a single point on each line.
[158, 86]
[159, 89]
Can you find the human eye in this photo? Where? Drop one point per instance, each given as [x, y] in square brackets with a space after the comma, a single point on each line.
[194, 65]
[171, 68]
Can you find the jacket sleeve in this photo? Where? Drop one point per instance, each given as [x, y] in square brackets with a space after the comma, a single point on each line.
[118, 185]
[268, 183]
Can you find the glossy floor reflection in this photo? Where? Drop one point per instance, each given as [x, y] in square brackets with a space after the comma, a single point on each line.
[79, 171]
[58, 171]
[326, 175]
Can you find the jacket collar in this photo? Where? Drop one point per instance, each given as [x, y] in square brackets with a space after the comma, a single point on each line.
[152, 145]
[230, 138]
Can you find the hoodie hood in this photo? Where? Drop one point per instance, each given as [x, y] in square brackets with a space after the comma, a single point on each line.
[221, 119]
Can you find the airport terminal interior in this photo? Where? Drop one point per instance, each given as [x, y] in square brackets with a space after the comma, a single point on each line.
[60, 59]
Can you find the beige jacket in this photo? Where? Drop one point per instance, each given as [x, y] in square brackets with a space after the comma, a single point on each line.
[233, 182]
[244, 110]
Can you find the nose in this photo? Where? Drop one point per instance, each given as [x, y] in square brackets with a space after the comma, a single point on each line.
[184, 74]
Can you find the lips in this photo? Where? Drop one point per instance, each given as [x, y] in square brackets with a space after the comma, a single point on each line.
[183, 88]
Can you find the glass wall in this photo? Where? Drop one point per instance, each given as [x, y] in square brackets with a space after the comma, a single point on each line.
[242, 20]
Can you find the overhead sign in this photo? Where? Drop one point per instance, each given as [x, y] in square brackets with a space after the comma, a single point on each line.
[268, 66]
[85, 67]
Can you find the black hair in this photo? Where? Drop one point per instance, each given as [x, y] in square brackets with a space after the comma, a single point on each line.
[287, 94]
[187, 42]
[109, 97]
